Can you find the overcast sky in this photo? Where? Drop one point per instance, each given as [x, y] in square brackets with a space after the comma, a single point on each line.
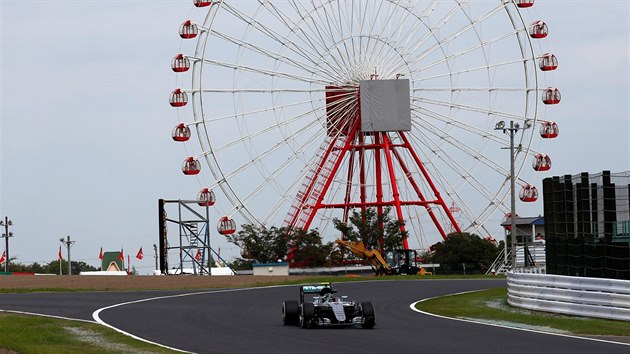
[85, 121]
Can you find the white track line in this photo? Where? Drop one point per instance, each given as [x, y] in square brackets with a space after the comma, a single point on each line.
[413, 307]
[96, 314]
[49, 316]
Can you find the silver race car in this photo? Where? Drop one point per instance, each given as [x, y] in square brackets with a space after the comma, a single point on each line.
[326, 309]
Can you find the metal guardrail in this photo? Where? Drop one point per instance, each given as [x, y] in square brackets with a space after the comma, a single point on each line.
[580, 296]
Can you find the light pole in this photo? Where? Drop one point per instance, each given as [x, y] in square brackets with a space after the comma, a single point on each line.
[6, 223]
[511, 131]
[68, 244]
[155, 252]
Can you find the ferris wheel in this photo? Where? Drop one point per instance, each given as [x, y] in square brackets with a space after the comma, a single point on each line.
[303, 112]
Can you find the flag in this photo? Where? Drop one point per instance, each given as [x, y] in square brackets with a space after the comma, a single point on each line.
[121, 256]
[128, 263]
[140, 255]
[100, 254]
[4, 255]
[60, 256]
[198, 255]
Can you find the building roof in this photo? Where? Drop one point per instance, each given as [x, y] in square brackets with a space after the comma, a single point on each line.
[530, 220]
[109, 258]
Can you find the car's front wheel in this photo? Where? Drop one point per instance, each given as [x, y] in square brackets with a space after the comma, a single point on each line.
[307, 313]
[290, 313]
[367, 311]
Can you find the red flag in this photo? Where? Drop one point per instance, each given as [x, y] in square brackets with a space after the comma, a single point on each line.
[128, 263]
[60, 256]
[100, 254]
[198, 255]
[140, 255]
[4, 255]
[121, 256]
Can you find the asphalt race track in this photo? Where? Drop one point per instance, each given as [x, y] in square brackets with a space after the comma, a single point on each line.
[249, 321]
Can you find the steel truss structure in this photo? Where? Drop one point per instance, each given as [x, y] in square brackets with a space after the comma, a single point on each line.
[192, 248]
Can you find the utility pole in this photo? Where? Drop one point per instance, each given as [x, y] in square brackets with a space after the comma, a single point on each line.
[68, 244]
[6, 223]
[511, 131]
[155, 252]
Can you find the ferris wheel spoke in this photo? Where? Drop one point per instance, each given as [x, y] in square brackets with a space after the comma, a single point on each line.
[253, 113]
[471, 25]
[432, 30]
[330, 24]
[463, 147]
[273, 34]
[465, 107]
[467, 127]
[478, 68]
[474, 89]
[455, 166]
[314, 40]
[254, 160]
[466, 51]
[288, 194]
[270, 128]
[257, 90]
[265, 72]
[295, 63]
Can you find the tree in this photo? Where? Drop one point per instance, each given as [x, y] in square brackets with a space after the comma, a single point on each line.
[308, 250]
[268, 245]
[465, 248]
[264, 245]
[375, 231]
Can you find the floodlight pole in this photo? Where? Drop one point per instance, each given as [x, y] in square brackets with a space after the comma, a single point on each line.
[68, 244]
[6, 223]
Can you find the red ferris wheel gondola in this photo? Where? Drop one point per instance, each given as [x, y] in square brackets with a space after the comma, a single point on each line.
[181, 132]
[551, 95]
[548, 62]
[506, 218]
[528, 193]
[202, 3]
[191, 166]
[188, 30]
[206, 197]
[178, 98]
[524, 3]
[549, 130]
[538, 29]
[180, 63]
[226, 226]
[541, 162]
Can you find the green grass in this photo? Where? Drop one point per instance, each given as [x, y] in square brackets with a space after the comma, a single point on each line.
[491, 306]
[35, 334]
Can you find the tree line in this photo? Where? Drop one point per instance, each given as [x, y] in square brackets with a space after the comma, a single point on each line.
[51, 267]
[377, 232]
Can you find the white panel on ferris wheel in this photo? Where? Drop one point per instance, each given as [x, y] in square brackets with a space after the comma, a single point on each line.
[385, 105]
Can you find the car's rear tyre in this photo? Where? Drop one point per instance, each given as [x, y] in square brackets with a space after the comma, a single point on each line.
[307, 313]
[369, 319]
[290, 313]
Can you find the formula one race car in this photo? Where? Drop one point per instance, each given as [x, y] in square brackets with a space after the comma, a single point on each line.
[326, 309]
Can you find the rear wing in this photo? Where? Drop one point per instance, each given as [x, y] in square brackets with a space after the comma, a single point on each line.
[314, 289]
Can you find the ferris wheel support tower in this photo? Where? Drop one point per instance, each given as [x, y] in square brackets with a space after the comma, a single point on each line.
[371, 117]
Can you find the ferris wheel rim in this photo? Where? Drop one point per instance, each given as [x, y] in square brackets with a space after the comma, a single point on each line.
[209, 153]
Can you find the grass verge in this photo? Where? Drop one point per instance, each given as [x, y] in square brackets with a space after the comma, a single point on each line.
[491, 306]
[35, 334]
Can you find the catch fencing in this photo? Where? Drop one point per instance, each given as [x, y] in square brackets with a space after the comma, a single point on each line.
[580, 296]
